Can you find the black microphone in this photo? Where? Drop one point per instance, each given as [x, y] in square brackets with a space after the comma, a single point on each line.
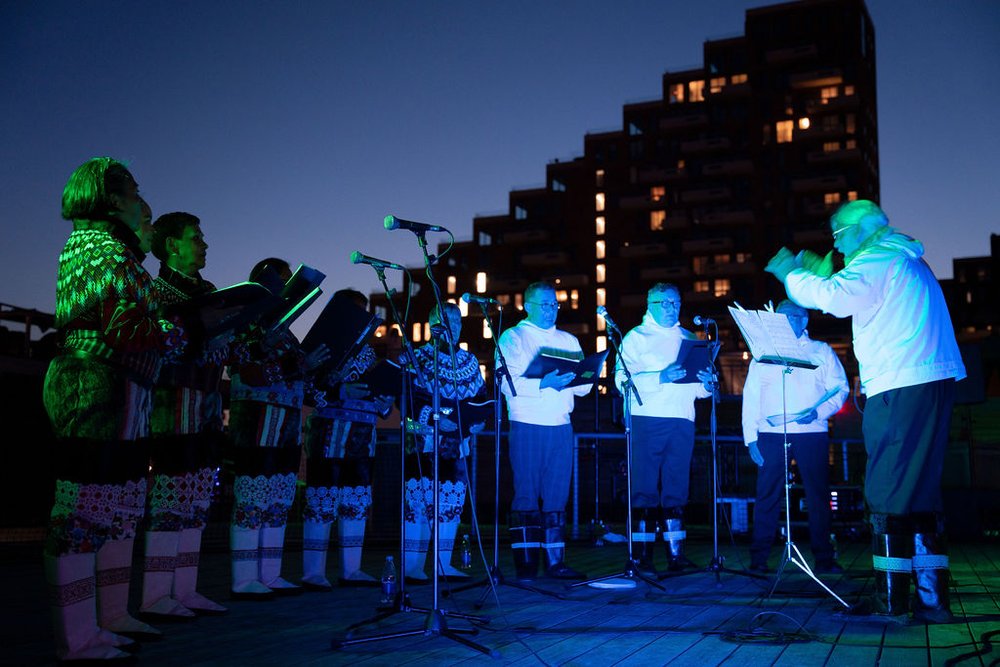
[603, 312]
[358, 258]
[699, 320]
[392, 222]
[482, 300]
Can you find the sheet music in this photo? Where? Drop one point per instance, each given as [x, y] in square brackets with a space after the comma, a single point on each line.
[770, 337]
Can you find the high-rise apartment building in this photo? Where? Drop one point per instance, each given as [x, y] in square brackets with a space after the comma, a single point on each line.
[751, 151]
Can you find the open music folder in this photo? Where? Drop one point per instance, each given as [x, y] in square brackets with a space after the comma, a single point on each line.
[770, 338]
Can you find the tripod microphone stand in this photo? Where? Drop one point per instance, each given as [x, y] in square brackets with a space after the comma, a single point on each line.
[791, 552]
[435, 623]
[717, 564]
[631, 569]
[494, 576]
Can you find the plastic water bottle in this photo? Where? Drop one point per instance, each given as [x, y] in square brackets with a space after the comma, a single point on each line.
[466, 553]
[388, 581]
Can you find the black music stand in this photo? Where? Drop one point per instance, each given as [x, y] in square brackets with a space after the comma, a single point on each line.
[435, 623]
[631, 570]
[717, 564]
[494, 576]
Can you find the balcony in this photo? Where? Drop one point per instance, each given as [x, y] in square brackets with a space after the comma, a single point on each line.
[676, 222]
[790, 55]
[647, 176]
[555, 258]
[706, 195]
[525, 236]
[728, 168]
[642, 250]
[640, 202]
[831, 104]
[826, 157]
[706, 145]
[819, 184]
[688, 122]
[665, 273]
[706, 245]
[728, 218]
[732, 269]
[816, 79]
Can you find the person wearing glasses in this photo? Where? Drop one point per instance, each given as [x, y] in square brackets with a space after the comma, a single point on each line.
[662, 427]
[909, 361]
[541, 436]
[808, 398]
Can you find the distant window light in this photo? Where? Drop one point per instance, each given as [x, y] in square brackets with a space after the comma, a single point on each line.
[599, 250]
[696, 90]
[380, 331]
[452, 284]
[743, 257]
[482, 367]
[738, 78]
[657, 192]
[634, 130]
[427, 331]
[783, 131]
[520, 213]
[562, 295]
[831, 146]
[380, 312]
[716, 84]
[574, 299]
[558, 186]
[851, 123]
[519, 301]
[680, 165]
[599, 178]
[602, 295]
[599, 201]
[657, 220]
[968, 297]
[848, 90]
[699, 265]
[463, 308]
[851, 144]
[481, 282]
[504, 299]
[464, 346]
[485, 239]
[487, 332]
[852, 195]
[828, 93]
[831, 198]
[600, 273]
[701, 286]
[601, 324]
[599, 225]
[722, 287]
[417, 331]
[803, 123]
[676, 93]
[602, 343]
[722, 259]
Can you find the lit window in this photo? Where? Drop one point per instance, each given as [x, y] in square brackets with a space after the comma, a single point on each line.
[783, 131]
[602, 343]
[848, 90]
[463, 345]
[826, 94]
[831, 146]
[601, 324]
[463, 307]
[481, 282]
[519, 301]
[599, 178]
[574, 299]
[482, 367]
[600, 273]
[742, 257]
[427, 331]
[452, 284]
[738, 78]
[487, 333]
[600, 250]
[851, 144]
[558, 186]
[696, 90]
[485, 239]
[699, 264]
[716, 84]
[701, 286]
[968, 297]
[380, 331]
[680, 165]
[599, 201]
[722, 287]
[852, 195]
[417, 331]
[721, 259]
[602, 295]
[676, 93]
[634, 130]
[520, 213]
[504, 299]
[803, 123]
[657, 220]
[561, 295]
[657, 192]
[831, 198]
[599, 225]
[850, 123]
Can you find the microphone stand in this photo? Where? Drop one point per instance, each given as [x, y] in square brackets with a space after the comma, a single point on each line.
[435, 624]
[717, 564]
[495, 576]
[631, 569]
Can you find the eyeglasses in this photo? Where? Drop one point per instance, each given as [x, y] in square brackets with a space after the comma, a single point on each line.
[547, 305]
[664, 303]
[838, 231]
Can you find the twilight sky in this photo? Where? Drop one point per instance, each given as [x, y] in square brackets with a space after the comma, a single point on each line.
[292, 128]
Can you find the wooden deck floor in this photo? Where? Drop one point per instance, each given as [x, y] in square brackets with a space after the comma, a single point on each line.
[695, 621]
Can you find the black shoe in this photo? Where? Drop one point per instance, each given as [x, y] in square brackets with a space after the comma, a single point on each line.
[646, 567]
[828, 567]
[933, 616]
[316, 588]
[563, 571]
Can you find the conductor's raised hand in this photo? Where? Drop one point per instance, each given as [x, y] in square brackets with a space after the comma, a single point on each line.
[783, 263]
[672, 373]
[557, 380]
